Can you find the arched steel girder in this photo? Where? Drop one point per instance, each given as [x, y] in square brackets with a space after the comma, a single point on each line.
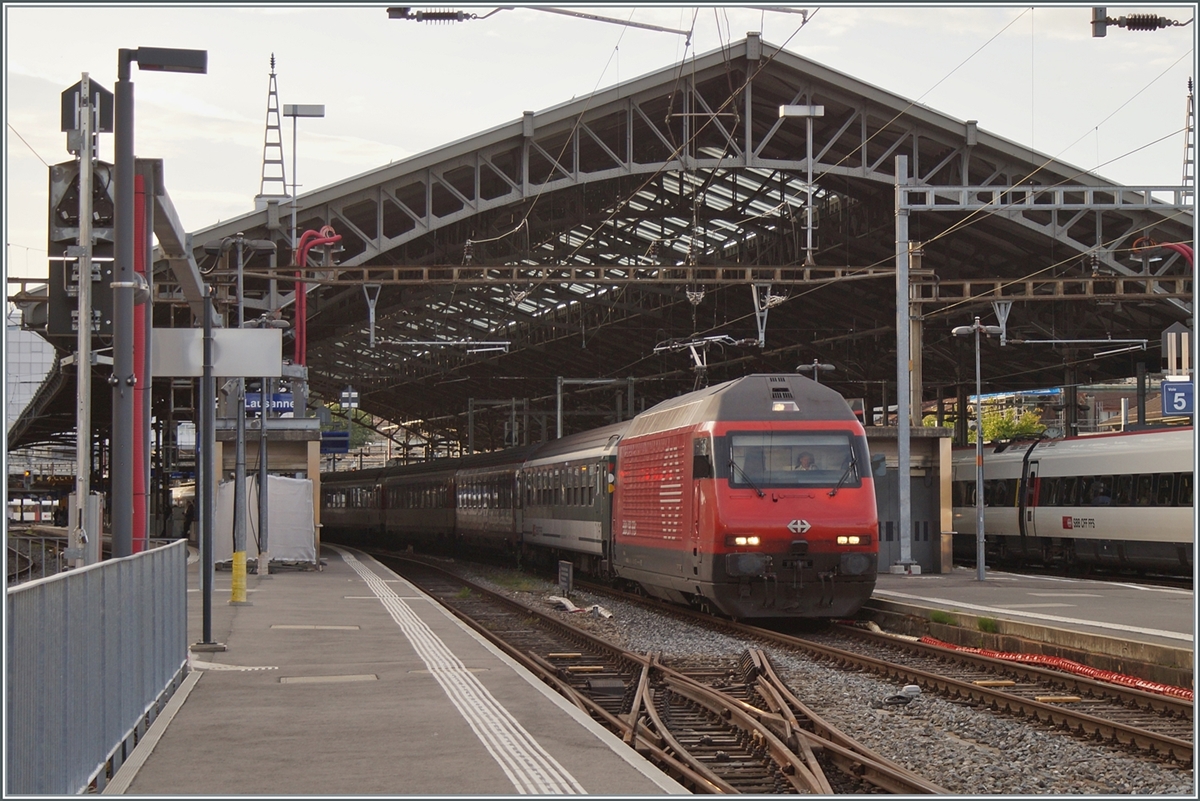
[715, 132]
[693, 180]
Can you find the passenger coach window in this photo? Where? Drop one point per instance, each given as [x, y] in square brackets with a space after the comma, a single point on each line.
[1144, 493]
[1185, 489]
[1070, 491]
[998, 492]
[1166, 483]
[1099, 493]
[1124, 490]
[1051, 489]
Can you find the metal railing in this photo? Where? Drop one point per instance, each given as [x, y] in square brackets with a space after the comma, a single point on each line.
[92, 656]
[33, 557]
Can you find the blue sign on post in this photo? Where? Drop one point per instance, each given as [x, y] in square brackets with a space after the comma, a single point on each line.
[335, 442]
[1177, 398]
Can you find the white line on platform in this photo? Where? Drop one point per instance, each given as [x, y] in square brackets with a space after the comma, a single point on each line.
[327, 679]
[926, 600]
[128, 771]
[198, 664]
[530, 768]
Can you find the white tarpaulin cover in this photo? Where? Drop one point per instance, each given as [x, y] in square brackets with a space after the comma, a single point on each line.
[291, 533]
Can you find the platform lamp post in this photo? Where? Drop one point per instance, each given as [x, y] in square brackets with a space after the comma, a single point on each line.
[158, 59]
[241, 245]
[264, 558]
[965, 331]
[206, 440]
[296, 111]
[816, 368]
[808, 112]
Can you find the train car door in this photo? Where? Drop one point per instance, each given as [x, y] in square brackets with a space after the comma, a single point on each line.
[1029, 502]
[702, 469]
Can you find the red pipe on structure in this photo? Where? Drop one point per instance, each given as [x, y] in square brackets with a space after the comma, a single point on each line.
[1181, 249]
[326, 236]
[141, 381]
[298, 259]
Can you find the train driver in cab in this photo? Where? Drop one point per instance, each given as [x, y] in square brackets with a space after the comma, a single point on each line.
[805, 461]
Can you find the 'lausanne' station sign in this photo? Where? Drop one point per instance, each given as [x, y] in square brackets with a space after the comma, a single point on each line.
[280, 402]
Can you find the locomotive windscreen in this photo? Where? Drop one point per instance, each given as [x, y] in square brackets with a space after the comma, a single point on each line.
[791, 458]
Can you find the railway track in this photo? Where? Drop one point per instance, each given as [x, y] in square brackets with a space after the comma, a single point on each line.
[729, 727]
[1153, 725]
[1150, 721]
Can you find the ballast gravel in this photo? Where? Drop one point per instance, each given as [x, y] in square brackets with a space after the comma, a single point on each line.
[963, 749]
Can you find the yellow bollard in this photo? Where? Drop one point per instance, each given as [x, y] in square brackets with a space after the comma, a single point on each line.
[239, 578]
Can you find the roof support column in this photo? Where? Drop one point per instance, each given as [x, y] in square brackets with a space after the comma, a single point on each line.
[903, 365]
[753, 56]
[916, 341]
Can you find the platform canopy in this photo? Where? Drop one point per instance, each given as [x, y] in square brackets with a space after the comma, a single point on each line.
[597, 238]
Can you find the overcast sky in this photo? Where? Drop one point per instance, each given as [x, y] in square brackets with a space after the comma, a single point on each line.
[395, 88]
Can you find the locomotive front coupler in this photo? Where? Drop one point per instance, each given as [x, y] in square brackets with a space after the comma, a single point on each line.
[826, 600]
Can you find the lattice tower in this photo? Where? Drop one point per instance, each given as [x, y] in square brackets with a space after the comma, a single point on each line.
[1189, 150]
[272, 164]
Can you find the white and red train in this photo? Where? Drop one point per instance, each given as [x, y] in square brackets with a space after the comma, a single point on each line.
[704, 499]
[1120, 501]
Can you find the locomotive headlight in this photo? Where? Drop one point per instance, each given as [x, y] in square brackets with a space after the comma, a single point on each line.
[854, 539]
[741, 541]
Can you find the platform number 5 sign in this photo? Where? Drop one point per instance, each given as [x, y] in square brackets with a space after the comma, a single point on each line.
[1177, 398]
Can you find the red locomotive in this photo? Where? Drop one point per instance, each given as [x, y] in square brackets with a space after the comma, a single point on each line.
[753, 498]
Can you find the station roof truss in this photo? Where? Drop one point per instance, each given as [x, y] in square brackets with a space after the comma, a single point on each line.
[577, 240]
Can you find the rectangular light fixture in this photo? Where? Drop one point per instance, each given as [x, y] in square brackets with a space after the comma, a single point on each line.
[310, 110]
[171, 59]
[801, 111]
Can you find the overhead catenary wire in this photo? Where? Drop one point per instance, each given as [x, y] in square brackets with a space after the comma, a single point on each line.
[31, 150]
[976, 215]
[970, 218]
[695, 133]
[932, 315]
[586, 236]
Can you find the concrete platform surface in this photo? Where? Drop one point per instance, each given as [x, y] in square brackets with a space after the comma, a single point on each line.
[1124, 626]
[349, 681]
[1119, 609]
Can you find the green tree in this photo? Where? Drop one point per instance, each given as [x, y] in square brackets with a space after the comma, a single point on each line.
[1008, 424]
[1000, 425]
